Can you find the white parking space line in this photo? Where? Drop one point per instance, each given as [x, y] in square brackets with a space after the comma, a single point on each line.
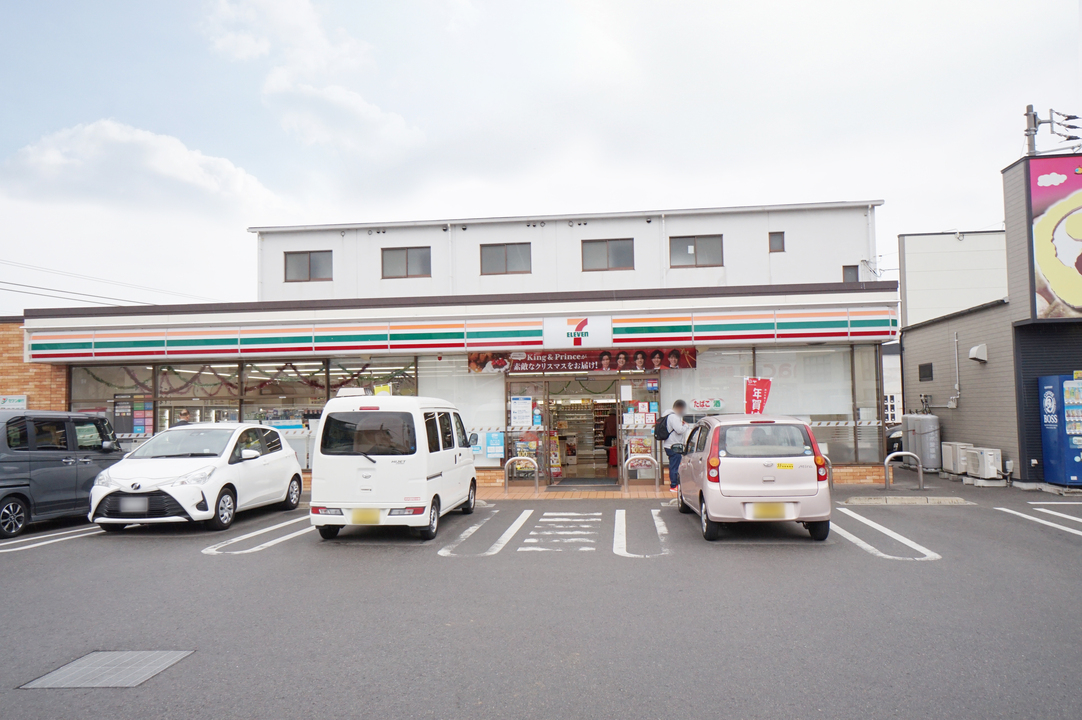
[1065, 516]
[508, 534]
[449, 549]
[67, 533]
[928, 554]
[1053, 502]
[619, 535]
[1042, 522]
[215, 549]
[32, 538]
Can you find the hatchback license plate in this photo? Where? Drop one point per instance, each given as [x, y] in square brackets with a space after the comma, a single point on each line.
[134, 505]
[365, 516]
[768, 511]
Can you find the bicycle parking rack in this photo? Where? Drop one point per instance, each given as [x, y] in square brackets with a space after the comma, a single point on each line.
[657, 470]
[900, 453]
[529, 461]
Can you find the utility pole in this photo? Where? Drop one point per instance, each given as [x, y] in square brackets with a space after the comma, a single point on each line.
[1034, 121]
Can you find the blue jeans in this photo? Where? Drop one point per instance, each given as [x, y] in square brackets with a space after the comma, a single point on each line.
[674, 467]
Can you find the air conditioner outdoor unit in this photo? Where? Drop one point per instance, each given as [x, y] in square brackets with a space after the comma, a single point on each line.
[983, 463]
[954, 457]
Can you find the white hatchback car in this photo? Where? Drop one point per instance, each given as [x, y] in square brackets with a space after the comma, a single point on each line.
[751, 468]
[197, 472]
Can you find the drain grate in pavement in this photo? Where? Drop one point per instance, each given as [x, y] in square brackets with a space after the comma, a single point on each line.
[110, 669]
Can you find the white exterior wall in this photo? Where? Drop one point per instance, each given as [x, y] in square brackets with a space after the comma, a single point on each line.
[819, 240]
[943, 273]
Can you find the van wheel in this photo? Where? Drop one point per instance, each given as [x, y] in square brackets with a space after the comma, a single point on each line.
[710, 528]
[225, 509]
[471, 500]
[680, 504]
[819, 529]
[429, 532]
[293, 495]
[328, 532]
[12, 517]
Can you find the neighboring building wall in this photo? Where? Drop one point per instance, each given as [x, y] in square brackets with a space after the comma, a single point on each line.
[986, 413]
[45, 386]
[819, 241]
[942, 273]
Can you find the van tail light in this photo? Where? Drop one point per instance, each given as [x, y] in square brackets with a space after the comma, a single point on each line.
[407, 511]
[820, 461]
[326, 511]
[713, 461]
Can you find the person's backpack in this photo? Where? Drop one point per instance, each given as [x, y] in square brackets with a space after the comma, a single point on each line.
[661, 428]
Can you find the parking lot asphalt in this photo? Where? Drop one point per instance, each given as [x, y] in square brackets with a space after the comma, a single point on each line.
[565, 609]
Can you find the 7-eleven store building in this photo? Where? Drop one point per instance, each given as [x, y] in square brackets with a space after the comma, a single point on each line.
[558, 378]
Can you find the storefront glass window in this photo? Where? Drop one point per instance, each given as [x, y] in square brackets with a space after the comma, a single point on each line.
[124, 394]
[815, 385]
[715, 386]
[375, 374]
[209, 392]
[866, 393]
[284, 394]
[480, 397]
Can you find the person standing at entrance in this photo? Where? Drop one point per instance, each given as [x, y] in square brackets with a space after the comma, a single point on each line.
[674, 422]
[183, 418]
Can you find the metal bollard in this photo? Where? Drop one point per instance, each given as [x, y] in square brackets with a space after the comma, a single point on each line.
[657, 470]
[528, 461]
[900, 453]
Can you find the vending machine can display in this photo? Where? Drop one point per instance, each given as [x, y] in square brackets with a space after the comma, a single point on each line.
[1061, 428]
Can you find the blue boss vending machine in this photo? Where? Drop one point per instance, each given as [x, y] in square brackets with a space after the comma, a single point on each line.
[1061, 428]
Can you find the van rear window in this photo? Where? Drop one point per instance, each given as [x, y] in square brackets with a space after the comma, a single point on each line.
[764, 441]
[371, 433]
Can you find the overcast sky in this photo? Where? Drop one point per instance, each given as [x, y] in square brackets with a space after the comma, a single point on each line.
[138, 140]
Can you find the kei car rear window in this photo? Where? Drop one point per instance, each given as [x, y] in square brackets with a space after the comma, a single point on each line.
[764, 441]
[370, 433]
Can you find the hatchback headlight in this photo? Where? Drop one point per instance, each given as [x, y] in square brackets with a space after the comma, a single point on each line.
[104, 479]
[199, 477]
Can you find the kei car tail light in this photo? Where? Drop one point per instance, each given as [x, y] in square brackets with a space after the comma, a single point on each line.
[713, 462]
[821, 468]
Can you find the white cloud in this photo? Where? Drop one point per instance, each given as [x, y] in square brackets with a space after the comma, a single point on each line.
[116, 163]
[310, 75]
[1051, 179]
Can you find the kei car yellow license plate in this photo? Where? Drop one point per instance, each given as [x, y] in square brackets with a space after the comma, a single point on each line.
[768, 511]
[365, 516]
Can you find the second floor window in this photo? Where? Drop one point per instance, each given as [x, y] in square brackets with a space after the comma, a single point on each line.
[695, 251]
[308, 266]
[407, 262]
[505, 259]
[777, 242]
[608, 254]
[850, 273]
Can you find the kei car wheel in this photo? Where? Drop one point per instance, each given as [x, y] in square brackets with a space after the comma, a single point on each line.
[225, 509]
[328, 532]
[680, 504]
[710, 528]
[12, 517]
[293, 495]
[471, 500]
[429, 532]
[819, 529]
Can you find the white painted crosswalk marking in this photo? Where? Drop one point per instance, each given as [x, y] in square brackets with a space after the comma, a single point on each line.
[560, 530]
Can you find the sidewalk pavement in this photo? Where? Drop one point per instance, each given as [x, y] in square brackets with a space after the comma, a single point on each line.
[490, 492]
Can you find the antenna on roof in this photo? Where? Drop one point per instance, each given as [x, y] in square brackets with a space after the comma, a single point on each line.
[1057, 122]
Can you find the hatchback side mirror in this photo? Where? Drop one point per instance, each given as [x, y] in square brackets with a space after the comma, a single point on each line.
[473, 438]
[248, 454]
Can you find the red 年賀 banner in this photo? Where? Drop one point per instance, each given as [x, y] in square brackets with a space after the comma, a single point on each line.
[756, 391]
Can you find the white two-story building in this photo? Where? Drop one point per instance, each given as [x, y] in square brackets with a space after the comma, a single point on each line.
[558, 336]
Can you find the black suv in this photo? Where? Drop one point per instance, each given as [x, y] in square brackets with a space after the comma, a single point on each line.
[48, 463]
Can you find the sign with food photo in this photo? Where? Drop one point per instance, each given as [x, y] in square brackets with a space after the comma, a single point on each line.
[587, 361]
[1055, 196]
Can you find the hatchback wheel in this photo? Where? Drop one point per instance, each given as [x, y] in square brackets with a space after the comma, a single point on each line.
[12, 517]
[329, 532]
[680, 504]
[293, 495]
[710, 528]
[225, 509]
[471, 500]
[429, 532]
[818, 529]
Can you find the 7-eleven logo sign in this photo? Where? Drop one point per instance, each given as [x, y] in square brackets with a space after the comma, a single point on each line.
[577, 329]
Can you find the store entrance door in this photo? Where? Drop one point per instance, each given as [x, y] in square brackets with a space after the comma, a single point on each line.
[583, 417]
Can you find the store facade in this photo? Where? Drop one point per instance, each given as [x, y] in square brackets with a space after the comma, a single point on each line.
[560, 379]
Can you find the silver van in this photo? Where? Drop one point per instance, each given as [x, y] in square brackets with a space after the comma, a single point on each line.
[48, 463]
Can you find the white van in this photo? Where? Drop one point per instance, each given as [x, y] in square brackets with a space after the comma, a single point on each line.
[382, 460]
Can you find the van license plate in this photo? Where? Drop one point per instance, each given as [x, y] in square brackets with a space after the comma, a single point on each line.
[134, 505]
[366, 516]
[768, 511]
